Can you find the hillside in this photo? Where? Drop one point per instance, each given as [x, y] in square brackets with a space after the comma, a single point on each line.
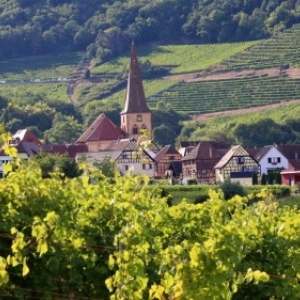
[53, 95]
[104, 28]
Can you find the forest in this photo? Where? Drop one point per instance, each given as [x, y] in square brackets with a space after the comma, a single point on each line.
[105, 28]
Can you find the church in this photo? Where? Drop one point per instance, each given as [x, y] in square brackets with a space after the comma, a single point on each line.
[135, 116]
[105, 140]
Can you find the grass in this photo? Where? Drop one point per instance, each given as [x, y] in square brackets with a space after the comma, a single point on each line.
[89, 92]
[292, 201]
[23, 94]
[39, 67]
[179, 58]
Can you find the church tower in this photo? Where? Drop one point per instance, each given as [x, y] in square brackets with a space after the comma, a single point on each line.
[136, 114]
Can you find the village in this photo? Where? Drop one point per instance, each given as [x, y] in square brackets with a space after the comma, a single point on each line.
[133, 150]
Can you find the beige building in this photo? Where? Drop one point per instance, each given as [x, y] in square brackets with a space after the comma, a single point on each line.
[128, 155]
[237, 165]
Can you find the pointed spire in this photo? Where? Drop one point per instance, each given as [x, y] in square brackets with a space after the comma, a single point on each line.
[135, 96]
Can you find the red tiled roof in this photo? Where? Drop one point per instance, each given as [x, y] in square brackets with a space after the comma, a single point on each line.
[25, 135]
[70, 149]
[204, 150]
[294, 164]
[102, 129]
[29, 148]
[168, 149]
[290, 151]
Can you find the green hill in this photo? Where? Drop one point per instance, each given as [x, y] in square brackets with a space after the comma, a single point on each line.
[177, 58]
[218, 95]
[281, 50]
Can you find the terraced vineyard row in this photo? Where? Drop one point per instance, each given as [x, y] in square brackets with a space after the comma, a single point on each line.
[281, 50]
[218, 95]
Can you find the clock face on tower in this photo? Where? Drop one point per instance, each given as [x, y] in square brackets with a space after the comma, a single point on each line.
[139, 118]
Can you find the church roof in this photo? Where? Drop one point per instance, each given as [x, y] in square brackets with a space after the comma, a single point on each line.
[135, 96]
[102, 129]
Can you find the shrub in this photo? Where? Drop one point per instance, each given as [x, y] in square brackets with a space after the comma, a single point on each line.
[230, 189]
[192, 182]
[201, 198]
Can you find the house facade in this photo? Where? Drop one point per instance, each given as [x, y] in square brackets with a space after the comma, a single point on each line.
[200, 161]
[25, 150]
[237, 165]
[163, 159]
[271, 159]
[291, 175]
[127, 155]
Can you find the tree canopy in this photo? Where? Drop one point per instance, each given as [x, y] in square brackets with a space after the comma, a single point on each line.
[105, 28]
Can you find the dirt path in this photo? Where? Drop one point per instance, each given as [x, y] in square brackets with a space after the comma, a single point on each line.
[205, 117]
[272, 72]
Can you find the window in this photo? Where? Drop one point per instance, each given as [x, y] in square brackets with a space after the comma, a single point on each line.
[139, 118]
[203, 172]
[135, 129]
[244, 169]
[147, 166]
[125, 168]
[274, 160]
[240, 160]
[124, 156]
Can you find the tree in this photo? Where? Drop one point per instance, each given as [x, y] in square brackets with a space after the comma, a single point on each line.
[264, 178]
[163, 135]
[66, 131]
[63, 164]
[87, 74]
[231, 189]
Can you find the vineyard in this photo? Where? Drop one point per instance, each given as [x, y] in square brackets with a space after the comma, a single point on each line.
[218, 95]
[151, 87]
[118, 239]
[29, 94]
[281, 50]
[40, 67]
[178, 58]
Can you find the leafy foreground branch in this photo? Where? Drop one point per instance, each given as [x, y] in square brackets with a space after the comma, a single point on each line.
[69, 239]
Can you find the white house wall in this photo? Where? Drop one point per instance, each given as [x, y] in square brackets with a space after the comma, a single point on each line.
[135, 168]
[273, 153]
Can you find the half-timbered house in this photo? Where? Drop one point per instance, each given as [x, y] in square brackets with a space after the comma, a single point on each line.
[163, 159]
[200, 161]
[237, 165]
[127, 154]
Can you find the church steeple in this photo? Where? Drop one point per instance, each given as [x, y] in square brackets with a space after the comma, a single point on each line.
[136, 114]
